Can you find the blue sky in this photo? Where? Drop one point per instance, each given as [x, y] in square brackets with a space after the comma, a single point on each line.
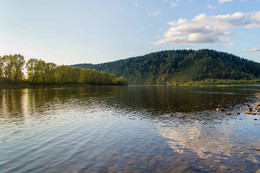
[95, 31]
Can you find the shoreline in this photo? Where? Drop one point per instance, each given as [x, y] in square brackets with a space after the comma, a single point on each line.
[17, 86]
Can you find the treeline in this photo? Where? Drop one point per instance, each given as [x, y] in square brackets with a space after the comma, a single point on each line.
[41, 72]
[180, 66]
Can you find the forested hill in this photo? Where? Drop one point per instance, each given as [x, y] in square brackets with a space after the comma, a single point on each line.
[180, 66]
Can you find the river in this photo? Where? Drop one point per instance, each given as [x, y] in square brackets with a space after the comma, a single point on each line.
[129, 129]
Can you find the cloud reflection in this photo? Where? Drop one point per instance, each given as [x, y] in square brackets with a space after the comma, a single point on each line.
[198, 138]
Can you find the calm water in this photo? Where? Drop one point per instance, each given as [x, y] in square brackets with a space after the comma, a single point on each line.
[128, 129]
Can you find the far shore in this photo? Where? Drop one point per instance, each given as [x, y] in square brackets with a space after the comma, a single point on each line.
[186, 84]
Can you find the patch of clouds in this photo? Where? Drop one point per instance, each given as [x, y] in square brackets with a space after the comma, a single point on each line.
[212, 7]
[155, 13]
[208, 29]
[173, 4]
[132, 53]
[148, 48]
[222, 1]
[253, 50]
[229, 44]
[190, 48]
[136, 4]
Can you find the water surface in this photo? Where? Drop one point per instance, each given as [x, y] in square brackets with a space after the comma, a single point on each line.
[129, 129]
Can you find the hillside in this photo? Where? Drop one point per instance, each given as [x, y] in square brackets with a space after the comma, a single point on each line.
[180, 66]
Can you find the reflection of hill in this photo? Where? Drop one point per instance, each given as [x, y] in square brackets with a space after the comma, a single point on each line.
[153, 100]
[170, 100]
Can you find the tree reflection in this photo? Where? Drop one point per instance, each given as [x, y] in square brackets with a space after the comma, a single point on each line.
[155, 101]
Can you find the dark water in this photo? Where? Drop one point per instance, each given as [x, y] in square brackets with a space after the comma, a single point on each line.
[129, 129]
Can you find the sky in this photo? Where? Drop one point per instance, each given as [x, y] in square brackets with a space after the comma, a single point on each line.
[94, 31]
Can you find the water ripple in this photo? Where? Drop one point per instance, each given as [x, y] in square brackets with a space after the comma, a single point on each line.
[134, 129]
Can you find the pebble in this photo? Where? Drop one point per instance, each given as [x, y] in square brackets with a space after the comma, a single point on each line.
[182, 115]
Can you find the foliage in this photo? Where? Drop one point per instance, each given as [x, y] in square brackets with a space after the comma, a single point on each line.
[40, 72]
[217, 82]
[11, 67]
[180, 66]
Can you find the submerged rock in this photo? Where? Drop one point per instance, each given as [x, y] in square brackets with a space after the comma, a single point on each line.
[182, 115]
[220, 109]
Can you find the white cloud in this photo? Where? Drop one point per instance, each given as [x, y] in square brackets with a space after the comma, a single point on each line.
[229, 44]
[253, 50]
[173, 4]
[208, 29]
[188, 48]
[222, 1]
[212, 7]
[155, 13]
[136, 4]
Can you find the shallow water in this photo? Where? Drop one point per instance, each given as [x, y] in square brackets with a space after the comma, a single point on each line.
[129, 129]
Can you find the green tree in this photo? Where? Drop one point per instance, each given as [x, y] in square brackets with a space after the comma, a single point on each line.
[12, 66]
[40, 72]
[1, 69]
[67, 74]
[49, 72]
[33, 73]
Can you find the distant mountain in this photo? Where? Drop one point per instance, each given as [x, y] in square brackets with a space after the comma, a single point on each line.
[180, 66]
